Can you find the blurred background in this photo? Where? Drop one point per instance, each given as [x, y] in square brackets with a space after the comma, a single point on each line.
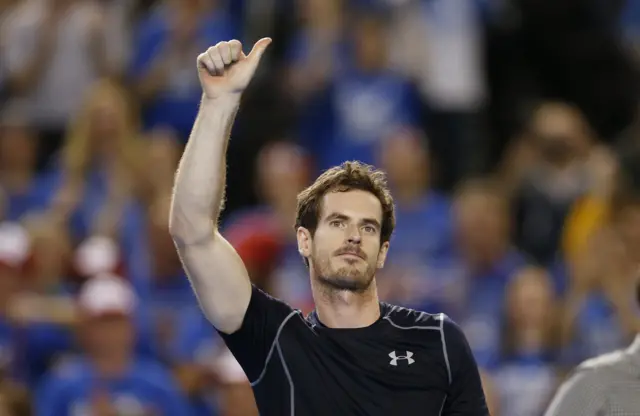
[508, 129]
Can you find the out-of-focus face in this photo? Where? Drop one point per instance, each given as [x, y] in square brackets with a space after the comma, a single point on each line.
[106, 118]
[318, 12]
[404, 158]
[561, 134]
[17, 148]
[282, 174]
[481, 222]
[345, 251]
[530, 299]
[109, 334]
[369, 36]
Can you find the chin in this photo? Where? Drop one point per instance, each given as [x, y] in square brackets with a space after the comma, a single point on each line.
[349, 279]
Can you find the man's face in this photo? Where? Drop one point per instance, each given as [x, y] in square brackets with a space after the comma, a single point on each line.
[345, 251]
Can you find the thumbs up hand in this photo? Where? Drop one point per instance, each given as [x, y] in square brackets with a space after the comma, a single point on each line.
[225, 70]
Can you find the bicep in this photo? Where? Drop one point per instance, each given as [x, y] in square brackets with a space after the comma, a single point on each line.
[248, 319]
[219, 279]
[581, 394]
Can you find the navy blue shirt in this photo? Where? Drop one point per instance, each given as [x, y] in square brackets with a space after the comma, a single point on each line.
[406, 363]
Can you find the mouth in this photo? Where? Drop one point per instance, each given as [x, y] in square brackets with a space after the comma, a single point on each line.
[351, 255]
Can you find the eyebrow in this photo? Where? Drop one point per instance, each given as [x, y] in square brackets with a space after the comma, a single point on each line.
[364, 221]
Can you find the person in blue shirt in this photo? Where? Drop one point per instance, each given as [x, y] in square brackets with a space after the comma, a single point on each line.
[24, 189]
[488, 260]
[108, 378]
[418, 272]
[193, 351]
[28, 344]
[526, 376]
[366, 102]
[165, 45]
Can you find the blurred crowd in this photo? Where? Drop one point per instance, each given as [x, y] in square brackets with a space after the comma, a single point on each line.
[508, 130]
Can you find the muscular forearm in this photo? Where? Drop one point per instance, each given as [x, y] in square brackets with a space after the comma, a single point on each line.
[200, 181]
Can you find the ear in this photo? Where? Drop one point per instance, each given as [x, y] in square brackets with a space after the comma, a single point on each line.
[382, 255]
[305, 242]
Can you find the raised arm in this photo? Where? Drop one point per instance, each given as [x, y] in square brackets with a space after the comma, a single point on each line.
[216, 272]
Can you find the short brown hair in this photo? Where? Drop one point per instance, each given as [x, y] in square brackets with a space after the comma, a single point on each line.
[346, 177]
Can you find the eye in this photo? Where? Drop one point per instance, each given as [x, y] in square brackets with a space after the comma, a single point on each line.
[369, 229]
[336, 223]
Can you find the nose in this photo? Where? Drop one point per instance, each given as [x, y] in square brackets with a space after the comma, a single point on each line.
[354, 236]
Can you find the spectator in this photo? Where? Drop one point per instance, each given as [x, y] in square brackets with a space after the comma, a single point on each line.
[554, 177]
[264, 237]
[317, 51]
[416, 270]
[109, 378]
[526, 376]
[166, 44]
[365, 103]
[54, 51]
[24, 188]
[100, 163]
[208, 372]
[41, 311]
[438, 44]
[488, 259]
[599, 315]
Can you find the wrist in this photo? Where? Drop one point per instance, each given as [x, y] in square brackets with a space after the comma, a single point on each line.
[229, 102]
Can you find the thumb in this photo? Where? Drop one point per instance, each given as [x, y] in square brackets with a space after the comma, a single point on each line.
[258, 50]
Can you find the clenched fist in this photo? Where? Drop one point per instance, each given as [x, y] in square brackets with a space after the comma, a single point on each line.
[225, 70]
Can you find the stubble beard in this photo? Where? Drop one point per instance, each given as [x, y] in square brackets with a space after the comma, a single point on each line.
[344, 279]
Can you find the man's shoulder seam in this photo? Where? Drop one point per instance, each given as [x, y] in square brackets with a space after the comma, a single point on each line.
[416, 319]
[395, 325]
[273, 345]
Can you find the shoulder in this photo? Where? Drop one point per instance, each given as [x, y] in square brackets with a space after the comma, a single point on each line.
[450, 334]
[603, 365]
[65, 378]
[407, 318]
[595, 373]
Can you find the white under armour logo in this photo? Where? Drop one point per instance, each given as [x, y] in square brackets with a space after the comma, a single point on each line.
[395, 358]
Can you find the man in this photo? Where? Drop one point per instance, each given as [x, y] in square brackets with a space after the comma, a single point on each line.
[108, 379]
[353, 355]
[606, 385]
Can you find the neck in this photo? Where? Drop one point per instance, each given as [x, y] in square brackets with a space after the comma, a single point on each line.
[346, 309]
[531, 340]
